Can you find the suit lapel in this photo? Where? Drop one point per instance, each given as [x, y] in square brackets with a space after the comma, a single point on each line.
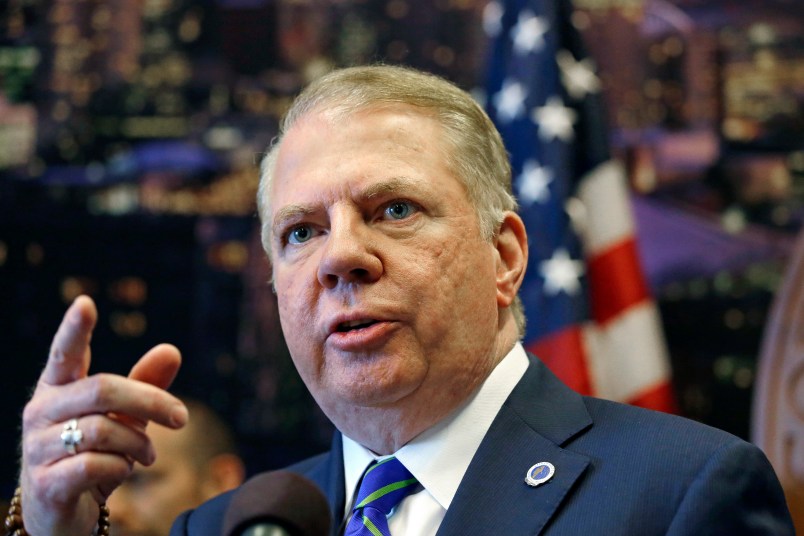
[540, 415]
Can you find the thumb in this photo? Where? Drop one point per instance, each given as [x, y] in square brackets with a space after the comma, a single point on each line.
[158, 366]
[69, 353]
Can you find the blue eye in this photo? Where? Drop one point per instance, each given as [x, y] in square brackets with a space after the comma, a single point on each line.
[300, 234]
[399, 210]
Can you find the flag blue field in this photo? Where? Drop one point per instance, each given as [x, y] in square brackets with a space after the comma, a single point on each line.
[591, 317]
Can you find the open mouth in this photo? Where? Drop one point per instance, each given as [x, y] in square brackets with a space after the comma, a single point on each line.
[344, 327]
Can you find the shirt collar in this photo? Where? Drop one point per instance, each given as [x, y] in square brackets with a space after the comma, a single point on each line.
[439, 456]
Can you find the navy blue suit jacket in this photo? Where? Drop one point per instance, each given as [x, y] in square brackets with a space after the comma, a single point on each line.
[619, 470]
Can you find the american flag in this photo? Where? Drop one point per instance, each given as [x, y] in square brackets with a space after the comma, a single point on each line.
[591, 317]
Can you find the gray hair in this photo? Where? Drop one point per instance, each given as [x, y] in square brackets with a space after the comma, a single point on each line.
[476, 155]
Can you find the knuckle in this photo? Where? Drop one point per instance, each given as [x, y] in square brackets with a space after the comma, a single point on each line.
[98, 434]
[35, 410]
[31, 424]
[39, 481]
[29, 449]
[100, 390]
[82, 466]
[30, 413]
[89, 431]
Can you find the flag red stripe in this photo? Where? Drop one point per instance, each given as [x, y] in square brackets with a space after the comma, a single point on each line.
[616, 281]
[659, 397]
[565, 354]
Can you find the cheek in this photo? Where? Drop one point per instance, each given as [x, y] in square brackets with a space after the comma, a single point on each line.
[293, 301]
[459, 270]
[462, 286]
[292, 319]
[297, 318]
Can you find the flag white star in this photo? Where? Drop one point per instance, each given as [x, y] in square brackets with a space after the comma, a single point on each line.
[510, 101]
[492, 18]
[534, 182]
[555, 120]
[528, 32]
[579, 76]
[561, 273]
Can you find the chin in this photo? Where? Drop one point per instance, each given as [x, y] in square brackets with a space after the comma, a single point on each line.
[376, 396]
[347, 397]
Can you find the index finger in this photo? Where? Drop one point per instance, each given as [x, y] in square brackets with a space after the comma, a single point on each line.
[69, 353]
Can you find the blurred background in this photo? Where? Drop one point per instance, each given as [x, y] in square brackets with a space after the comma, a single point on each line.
[130, 130]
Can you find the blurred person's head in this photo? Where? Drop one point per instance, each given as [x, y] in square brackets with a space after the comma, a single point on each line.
[192, 465]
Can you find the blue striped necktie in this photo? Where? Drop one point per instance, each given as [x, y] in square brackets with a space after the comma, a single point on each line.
[384, 485]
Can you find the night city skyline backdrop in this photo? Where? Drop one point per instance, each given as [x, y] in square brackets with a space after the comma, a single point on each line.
[130, 129]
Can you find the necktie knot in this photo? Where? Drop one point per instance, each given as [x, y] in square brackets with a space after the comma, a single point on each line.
[384, 485]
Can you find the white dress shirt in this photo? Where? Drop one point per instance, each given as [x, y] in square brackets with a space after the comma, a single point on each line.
[439, 456]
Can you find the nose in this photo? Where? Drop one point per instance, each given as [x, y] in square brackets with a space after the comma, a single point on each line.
[350, 254]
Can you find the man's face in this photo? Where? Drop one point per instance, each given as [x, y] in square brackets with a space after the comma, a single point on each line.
[385, 287]
[147, 503]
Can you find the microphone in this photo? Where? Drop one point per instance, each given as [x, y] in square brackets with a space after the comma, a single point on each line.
[277, 503]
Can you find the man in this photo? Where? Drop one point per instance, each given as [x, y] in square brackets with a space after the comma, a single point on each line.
[397, 258]
[192, 465]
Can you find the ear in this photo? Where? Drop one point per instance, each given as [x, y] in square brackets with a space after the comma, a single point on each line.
[511, 244]
[224, 472]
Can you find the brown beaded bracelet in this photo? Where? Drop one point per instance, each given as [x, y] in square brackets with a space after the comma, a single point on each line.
[15, 527]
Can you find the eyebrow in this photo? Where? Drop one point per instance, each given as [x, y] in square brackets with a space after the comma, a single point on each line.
[380, 189]
[389, 186]
[290, 212]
